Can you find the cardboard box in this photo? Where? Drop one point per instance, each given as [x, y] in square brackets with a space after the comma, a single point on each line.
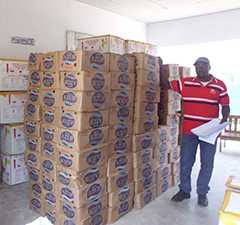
[83, 121]
[37, 205]
[145, 124]
[171, 121]
[50, 116]
[144, 171]
[132, 46]
[184, 71]
[13, 67]
[142, 158]
[85, 81]
[52, 214]
[81, 161]
[147, 62]
[175, 166]
[121, 130]
[150, 49]
[145, 109]
[146, 77]
[164, 184]
[50, 150]
[147, 94]
[32, 128]
[168, 135]
[49, 61]
[144, 184]
[14, 83]
[33, 159]
[84, 101]
[120, 210]
[104, 43]
[144, 198]
[35, 189]
[34, 95]
[121, 98]
[170, 108]
[49, 133]
[144, 141]
[176, 179]
[120, 114]
[80, 195]
[124, 194]
[35, 79]
[50, 80]
[48, 183]
[34, 61]
[12, 107]
[168, 96]
[122, 63]
[50, 98]
[120, 146]
[174, 155]
[122, 80]
[50, 199]
[48, 166]
[34, 175]
[83, 60]
[163, 172]
[120, 180]
[33, 111]
[161, 157]
[33, 144]
[169, 72]
[81, 141]
[13, 139]
[14, 169]
[119, 162]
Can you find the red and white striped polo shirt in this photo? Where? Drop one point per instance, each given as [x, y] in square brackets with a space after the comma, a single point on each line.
[200, 103]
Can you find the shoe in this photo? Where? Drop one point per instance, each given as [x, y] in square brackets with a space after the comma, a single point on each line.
[180, 196]
[202, 200]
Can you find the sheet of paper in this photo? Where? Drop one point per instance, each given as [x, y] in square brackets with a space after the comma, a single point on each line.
[234, 203]
[236, 181]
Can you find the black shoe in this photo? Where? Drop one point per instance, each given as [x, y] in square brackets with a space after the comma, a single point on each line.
[180, 196]
[202, 200]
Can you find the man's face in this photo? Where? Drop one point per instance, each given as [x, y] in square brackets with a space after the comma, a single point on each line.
[202, 68]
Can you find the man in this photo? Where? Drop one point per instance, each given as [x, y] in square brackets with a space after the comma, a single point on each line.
[201, 96]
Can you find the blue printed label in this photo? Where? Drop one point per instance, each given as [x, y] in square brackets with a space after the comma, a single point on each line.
[98, 81]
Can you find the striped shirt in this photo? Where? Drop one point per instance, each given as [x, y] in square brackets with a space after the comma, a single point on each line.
[200, 103]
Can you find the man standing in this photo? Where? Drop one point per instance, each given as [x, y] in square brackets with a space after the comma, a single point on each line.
[201, 96]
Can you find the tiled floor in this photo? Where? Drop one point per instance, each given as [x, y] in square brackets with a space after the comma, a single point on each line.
[14, 200]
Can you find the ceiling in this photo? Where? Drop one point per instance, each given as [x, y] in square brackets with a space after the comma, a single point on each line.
[160, 10]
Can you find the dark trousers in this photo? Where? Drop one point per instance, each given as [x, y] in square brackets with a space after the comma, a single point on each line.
[188, 156]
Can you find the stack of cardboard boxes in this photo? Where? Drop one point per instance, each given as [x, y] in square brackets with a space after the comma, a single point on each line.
[167, 150]
[120, 170]
[13, 87]
[147, 96]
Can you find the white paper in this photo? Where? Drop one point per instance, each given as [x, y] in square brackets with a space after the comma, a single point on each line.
[208, 132]
[234, 203]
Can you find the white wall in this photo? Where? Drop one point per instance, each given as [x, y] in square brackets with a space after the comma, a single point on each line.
[48, 20]
[214, 27]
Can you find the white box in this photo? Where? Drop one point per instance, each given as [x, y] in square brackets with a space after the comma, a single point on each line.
[14, 169]
[13, 67]
[13, 139]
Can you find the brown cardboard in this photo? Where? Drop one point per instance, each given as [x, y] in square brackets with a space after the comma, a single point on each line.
[32, 111]
[50, 149]
[144, 198]
[144, 184]
[35, 189]
[161, 157]
[120, 210]
[176, 179]
[83, 60]
[49, 133]
[34, 175]
[125, 193]
[121, 98]
[122, 63]
[144, 171]
[34, 79]
[147, 94]
[50, 116]
[122, 80]
[132, 46]
[163, 171]
[34, 61]
[48, 166]
[121, 130]
[50, 98]
[84, 101]
[175, 166]
[33, 144]
[145, 61]
[83, 121]
[145, 124]
[174, 155]
[169, 72]
[120, 180]
[34, 96]
[163, 184]
[144, 141]
[79, 195]
[85, 81]
[81, 141]
[145, 109]
[142, 157]
[36, 204]
[80, 161]
[184, 71]
[32, 128]
[33, 159]
[50, 199]
[147, 77]
[49, 61]
[120, 145]
[168, 136]
[50, 80]
[120, 114]
[171, 121]
[151, 49]
[119, 162]
[48, 183]
[52, 214]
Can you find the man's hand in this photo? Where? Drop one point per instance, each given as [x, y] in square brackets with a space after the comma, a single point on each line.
[225, 113]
